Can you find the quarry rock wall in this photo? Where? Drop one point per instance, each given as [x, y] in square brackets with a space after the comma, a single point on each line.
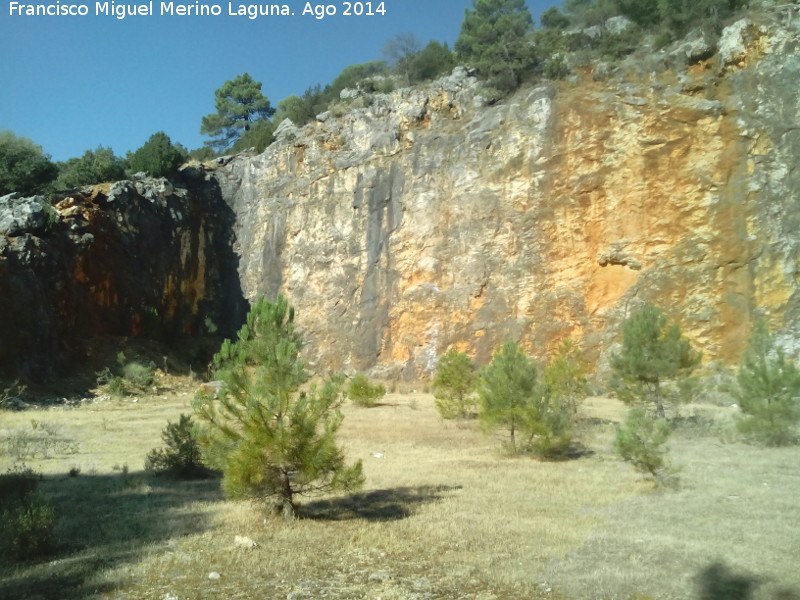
[430, 220]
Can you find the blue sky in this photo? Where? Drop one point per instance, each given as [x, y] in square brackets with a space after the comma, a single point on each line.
[74, 83]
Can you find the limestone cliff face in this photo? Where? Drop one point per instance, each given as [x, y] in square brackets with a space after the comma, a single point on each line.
[143, 258]
[429, 221]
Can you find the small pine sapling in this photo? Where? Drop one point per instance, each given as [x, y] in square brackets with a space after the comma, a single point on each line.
[364, 393]
[768, 391]
[654, 353]
[454, 385]
[641, 441]
[181, 456]
[512, 397]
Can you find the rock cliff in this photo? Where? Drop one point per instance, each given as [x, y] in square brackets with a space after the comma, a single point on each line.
[147, 258]
[430, 220]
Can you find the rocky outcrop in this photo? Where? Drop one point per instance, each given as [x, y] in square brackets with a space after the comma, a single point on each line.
[148, 258]
[428, 221]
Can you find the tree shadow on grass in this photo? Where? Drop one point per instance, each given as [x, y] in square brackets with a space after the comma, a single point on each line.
[719, 582]
[378, 505]
[104, 521]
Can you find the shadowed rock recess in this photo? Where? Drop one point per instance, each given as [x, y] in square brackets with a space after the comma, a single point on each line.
[145, 258]
[430, 220]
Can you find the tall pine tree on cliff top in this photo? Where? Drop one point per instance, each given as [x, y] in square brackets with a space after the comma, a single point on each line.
[239, 105]
[493, 40]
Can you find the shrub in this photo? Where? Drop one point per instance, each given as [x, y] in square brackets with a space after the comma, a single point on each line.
[24, 167]
[27, 520]
[10, 394]
[494, 40]
[454, 384]
[565, 375]
[139, 375]
[93, 167]
[768, 391]
[364, 393]
[181, 457]
[641, 440]
[158, 157]
[512, 397]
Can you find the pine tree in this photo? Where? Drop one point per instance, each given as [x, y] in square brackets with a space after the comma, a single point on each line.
[768, 391]
[512, 397]
[641, 440]
[565, 375]
[158, 157]
[454, 384]
[239, 105]
[364, 393]
[493, 40]
[653, 352]
[268, 438]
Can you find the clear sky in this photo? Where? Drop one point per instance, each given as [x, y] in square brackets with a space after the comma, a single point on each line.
[72, 83]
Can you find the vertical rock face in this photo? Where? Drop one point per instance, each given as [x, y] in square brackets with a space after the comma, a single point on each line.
[429, 221]
[135, 258]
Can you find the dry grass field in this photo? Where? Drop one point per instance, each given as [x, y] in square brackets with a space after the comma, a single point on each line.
[443, 515]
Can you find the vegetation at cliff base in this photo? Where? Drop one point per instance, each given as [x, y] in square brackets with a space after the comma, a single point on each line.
[271, 440]
[363, 392]
[454, 385]
[654, 360]
[768, 391]
[514, 398]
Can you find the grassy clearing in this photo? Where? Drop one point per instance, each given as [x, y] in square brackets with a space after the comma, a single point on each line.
[443, 515]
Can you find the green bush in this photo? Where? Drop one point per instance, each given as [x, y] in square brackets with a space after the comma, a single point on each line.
[513, 397]
[494, 40]
[454, 384]
[768, 391]
[181, 457]
[641, 441]
[24, 167]
[157, 158]
[27, 520]
[654, 361]
[364, 393]
[271, 440]
[139, 375]
[93, 167]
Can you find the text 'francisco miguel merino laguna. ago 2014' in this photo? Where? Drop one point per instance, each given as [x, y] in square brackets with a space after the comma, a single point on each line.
[200, 9]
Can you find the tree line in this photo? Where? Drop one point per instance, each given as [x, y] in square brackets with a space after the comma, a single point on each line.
[498, 39]
[273, 436]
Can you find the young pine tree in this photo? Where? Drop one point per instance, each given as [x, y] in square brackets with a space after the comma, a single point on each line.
[363, 393]
[268, 438]
[565, 375]
[653, 353]
[512, 397]
[641, 440]
[454, 384]
[768, 391]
